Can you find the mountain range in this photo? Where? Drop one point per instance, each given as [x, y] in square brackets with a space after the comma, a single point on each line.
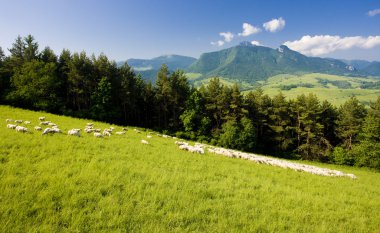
[250, 63]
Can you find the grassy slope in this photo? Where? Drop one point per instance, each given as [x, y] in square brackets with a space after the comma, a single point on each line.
[61, 183]
[330, 92]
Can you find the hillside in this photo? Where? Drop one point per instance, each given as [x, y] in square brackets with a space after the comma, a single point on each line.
[251, 63]
[55, 183]
[148, 68]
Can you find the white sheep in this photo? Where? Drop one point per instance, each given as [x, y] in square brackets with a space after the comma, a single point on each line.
[11, 126]
[27, 122]
[98, 135]
[52, 124]
[120, 132]
[137, 131]
[37, 128]
[41, 118]
[8, 120]
[90, 124]
[106, 133]
[21, 129]
[74, 132]
[47, 130]
[18, 121]
[179, 143]
[56, 129]
[144, 142]
[108, 130]
[97, 130]
[44, 123]
[88, 130]
[149, 136]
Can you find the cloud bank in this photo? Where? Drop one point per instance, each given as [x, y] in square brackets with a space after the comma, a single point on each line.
[373, 12]
[255, 42]
[325, 44]
[248, 29]
[228, 36]
[218, 43]
[274, 25]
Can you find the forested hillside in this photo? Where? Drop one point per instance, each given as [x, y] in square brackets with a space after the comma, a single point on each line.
[93, 87]
[250, 63]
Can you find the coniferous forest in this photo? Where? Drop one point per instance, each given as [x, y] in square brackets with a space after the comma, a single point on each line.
[79, 85]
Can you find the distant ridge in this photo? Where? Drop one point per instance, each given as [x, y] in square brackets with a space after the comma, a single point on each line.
[148, 68]
[251, 63]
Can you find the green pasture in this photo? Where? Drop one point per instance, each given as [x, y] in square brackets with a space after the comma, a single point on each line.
[61, 183]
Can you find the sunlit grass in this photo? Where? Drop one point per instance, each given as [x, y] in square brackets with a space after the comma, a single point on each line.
[56, 183]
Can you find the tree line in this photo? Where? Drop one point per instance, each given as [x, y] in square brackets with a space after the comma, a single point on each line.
[79, 85]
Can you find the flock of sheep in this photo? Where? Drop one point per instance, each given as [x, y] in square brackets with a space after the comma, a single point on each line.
[199, 148]
[52, 128]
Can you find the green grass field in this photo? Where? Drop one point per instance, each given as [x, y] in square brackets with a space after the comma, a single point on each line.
[61, 183]
[336, 89]
[330, 90]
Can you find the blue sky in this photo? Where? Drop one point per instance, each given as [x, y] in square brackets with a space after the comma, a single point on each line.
[149, 28]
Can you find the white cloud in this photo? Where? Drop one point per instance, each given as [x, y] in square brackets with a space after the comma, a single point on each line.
[324, 44]
[218, 43]
[228, 36]
[274, 25]
[248, 29]
[255, 42]
[374, 12]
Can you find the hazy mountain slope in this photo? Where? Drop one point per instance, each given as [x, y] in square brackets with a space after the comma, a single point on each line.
[251, 63]
[148, 68]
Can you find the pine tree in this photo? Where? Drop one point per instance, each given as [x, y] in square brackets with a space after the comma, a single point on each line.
[280, 123]
[349, 123]
[31, 48]
[163, 91]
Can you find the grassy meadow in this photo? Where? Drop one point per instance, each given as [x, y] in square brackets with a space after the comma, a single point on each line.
[334, 88]
[61, 183]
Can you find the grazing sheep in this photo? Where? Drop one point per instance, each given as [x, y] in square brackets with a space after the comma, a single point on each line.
[18, 121]
[44, 123]
[56, 129]
[37, 128]
[74, 132]
[144, 142]
[47, 130]
[41, 118]
[97, 130]
[112, 128]
[120, 132]
[88, 130]
[165, 136]
[21, 129]
[52, 124]
[137, 131]
[11, 126]
[8, 120]
[108, 130]
[106, 133]
[27, 122]
[179, 143]
[90, 124]
[98, 135]
[149, 136]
